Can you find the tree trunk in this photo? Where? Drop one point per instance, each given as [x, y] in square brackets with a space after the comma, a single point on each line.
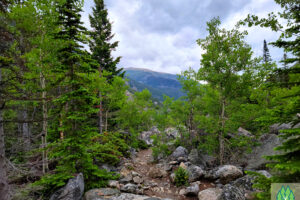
[45, 124]
[4, 189]
[100, 107]
[26, 130]
[221, 134]
[106, 116]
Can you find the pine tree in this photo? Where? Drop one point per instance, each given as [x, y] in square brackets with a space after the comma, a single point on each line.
[266, 53]
[100, 44]
[75, 105]
[101, 49]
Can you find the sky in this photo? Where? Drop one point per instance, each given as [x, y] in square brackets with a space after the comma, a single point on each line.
[161, 35]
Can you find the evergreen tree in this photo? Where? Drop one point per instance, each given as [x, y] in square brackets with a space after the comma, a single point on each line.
[100, 44]
[75, 105]
[266, 53]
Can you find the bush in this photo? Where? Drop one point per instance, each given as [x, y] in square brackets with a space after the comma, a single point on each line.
[159, 147]
[263, 184]
[181, 177]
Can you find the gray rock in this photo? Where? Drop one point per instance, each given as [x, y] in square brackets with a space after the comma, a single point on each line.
[275, 128]
[195, 173]
[244, 132]
[155, 172]
[101, 194]
[130, 188]
[179, 152]
[244, 183]
[108, 168]
[194, 157]
[114, 184]
[192, 190]
[73, 190]
[210, 194]
[265, 173]
[231, 192]
[172, 133]
[227, 173]
[255, 160]
[146, 135]
[137, 180]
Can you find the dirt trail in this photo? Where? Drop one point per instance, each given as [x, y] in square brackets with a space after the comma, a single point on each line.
[164, 188]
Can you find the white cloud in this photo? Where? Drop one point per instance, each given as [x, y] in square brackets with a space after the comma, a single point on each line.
[161, 35]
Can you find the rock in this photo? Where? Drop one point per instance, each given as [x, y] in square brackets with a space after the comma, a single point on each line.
[182, 192]
[146, 135]
[172, 133]
[179, 152]
[172, 177]
[134, 174]
[244, 132]
[255, 160]
[195, 173]
[137, 180]
[227, 173]
[231, 192]
[265, 173]
[244, 183]
[194, 157]
[192, 190]
[182, 165]
[174, 162]
[101, 194]
[130, 188]
[114, 184]
[210, 194]
[275, 128]
[108, 168]
[182, 159]
[73, 190]
[155, 172]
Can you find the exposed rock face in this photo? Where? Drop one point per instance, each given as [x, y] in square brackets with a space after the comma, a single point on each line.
[172, 133]
[210, 194]
[102, 193]
[265, 173]
[155, 172]
[227, 173]
[146, 135]
[195, 172]
[244, 132]
[255, 160]
[231, 192]
[130, 188]
[179, 152]
[201, 159]
[192, 190]
[108, 194]
[244, 183]
[275, 128]
[72, 191]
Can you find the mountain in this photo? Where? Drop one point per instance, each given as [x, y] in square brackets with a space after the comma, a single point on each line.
[158, 83]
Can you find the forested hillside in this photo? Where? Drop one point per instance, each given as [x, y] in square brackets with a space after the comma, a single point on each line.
[71, 128]
[159, 84]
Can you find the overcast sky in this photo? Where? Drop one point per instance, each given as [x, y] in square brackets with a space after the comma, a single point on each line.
[161, 34]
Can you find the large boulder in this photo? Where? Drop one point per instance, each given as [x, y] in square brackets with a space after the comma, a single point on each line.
[255, 160]
[201, 159]
[130, 188]
[244, 183]
[72, 191]
[101, 194]
[195, 173]
[180, 152]
[231, 192]
[275, 128]
[227, 173]
[146, 135]
[172, 133]
[244, 132]
[192, 190]
[155, 172]
[210, 194]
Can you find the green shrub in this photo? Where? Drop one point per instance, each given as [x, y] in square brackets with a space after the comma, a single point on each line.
[181, 177]
[159, 147]
[263, 184]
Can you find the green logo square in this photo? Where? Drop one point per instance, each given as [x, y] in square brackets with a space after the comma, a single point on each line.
[285, 191]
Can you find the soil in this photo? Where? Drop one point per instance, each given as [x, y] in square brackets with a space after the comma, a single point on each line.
[164, 189]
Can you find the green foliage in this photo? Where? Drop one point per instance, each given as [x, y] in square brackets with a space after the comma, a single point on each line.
[181, 177]
[263, 184]
[160, 147]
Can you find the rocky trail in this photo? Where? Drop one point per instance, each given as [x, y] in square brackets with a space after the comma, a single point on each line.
[163, 186]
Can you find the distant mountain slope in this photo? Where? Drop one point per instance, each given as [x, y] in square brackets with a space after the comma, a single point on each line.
[157, 83]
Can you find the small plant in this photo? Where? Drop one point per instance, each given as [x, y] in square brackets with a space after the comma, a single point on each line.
[181, 177]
